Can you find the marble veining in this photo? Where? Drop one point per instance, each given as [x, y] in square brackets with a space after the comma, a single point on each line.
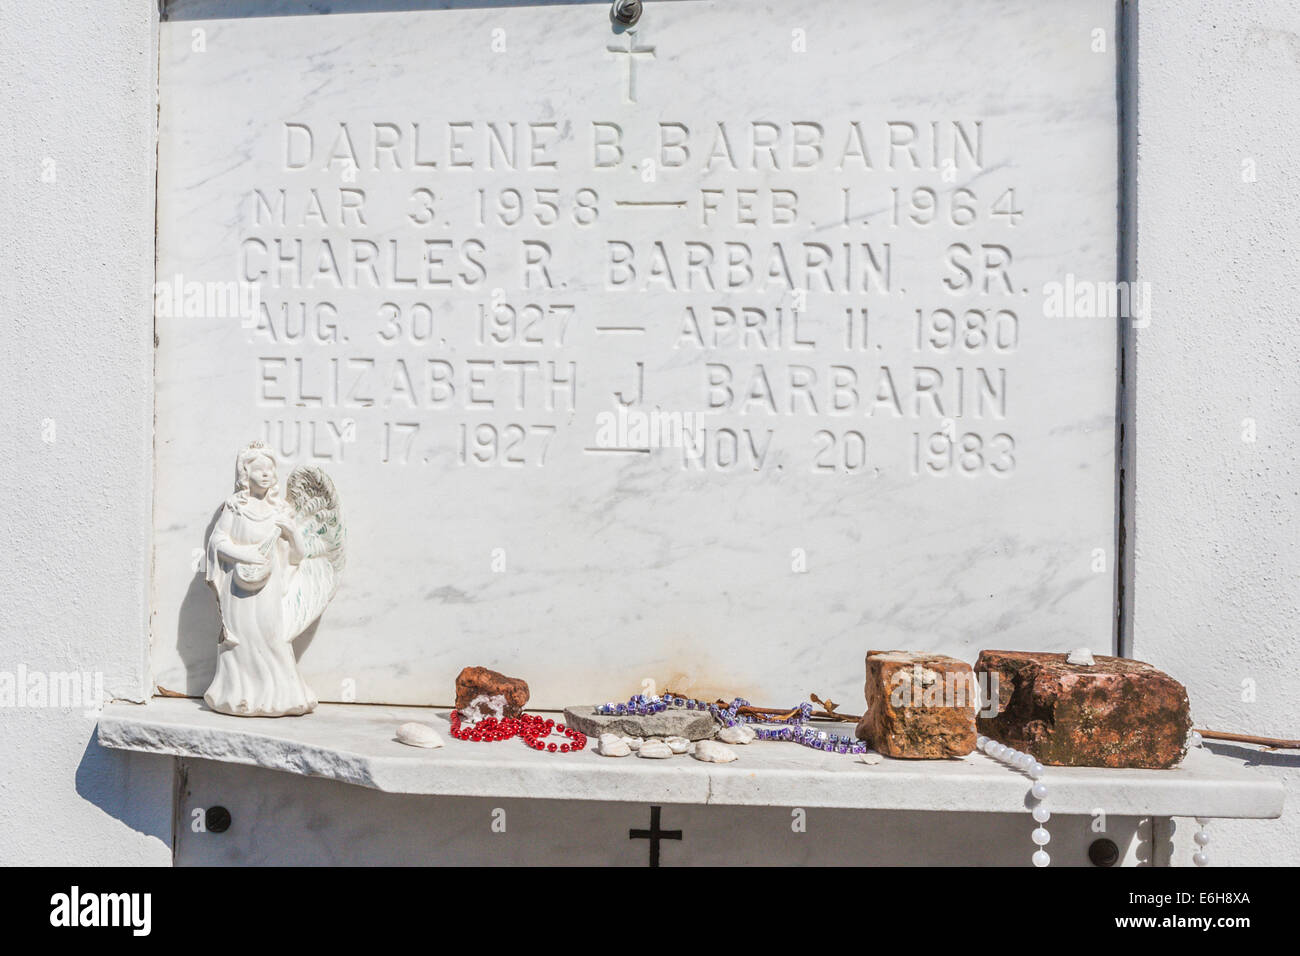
[759, 573]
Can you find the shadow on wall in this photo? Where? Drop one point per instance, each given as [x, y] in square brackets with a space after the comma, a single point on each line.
[198, 627]
[1254, 757]
[135, 789]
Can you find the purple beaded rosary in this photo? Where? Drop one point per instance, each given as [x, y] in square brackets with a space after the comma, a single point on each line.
[791, 729]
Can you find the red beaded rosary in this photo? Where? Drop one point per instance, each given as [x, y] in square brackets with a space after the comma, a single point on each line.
[531, 730]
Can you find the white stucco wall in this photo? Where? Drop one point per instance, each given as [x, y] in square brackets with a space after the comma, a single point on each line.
[1215, 577]
[76, 242]
[1216, 519]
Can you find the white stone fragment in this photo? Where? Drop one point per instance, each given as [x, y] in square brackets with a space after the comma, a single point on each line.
[678, 745]
[612, 745]
[871, 758]
[482, 707]
[655, 750]
[1081, 656]
[739, 734]
[633, 743]
[710, 751]
[419, 735]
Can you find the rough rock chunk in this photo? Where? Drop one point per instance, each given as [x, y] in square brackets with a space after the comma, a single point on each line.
[739, 734]
[919, 706]
[655, 750]
[611, 745]
[710, 751]
[475, 682]
[1113, 713]
[691, 724]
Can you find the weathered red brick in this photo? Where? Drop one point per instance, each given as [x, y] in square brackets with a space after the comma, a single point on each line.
[1114, 713]
[475, 682]
[919, 706]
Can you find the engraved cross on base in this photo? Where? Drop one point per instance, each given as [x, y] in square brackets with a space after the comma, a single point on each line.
[654, 835]
[632, 51]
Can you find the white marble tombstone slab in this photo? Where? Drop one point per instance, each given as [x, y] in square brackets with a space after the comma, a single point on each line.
[816, 234]
[285, 820]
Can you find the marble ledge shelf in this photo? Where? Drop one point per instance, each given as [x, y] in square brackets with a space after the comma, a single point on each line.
[355, 744]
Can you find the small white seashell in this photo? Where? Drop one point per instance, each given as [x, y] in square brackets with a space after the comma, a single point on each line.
[419, 735]
[871, 758]
[710, 751]
[678, 745]
[633, 743]
[655, 750]
[1081, 656]
[739, 734]
[612, 745]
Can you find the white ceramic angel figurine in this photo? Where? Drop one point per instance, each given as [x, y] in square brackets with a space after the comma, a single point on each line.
[275, 565]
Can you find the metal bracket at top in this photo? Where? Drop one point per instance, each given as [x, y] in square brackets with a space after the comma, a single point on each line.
[626, 12]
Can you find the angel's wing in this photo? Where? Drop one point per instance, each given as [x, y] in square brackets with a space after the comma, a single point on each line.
[315, 503]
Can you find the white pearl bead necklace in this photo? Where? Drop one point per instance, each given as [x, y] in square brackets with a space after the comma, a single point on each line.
[1201, 857]
[1027, 764]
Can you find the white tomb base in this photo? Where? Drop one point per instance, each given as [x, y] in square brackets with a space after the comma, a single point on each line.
[355, 745]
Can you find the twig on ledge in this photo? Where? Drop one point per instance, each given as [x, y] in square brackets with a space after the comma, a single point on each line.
[1273, 743]
[778, 714]
[828, 710]
[775, 714]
